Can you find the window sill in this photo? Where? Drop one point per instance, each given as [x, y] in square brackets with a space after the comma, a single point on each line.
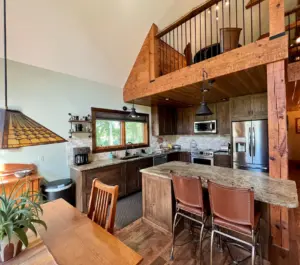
[118, 148]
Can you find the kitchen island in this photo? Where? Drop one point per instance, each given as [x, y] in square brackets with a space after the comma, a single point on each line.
[159, 201]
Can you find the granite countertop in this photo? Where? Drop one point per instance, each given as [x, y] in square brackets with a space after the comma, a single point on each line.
[110, 162]
[266, 189]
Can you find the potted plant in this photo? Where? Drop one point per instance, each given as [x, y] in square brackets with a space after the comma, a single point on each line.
[20, 210]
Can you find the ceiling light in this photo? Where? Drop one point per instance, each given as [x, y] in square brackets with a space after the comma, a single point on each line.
[224, 99]
[226, 3]
[167, 99]
[208, 11]
[133, 113]
[298, 40]
[217, 7]
[16, 129]
[217, 18]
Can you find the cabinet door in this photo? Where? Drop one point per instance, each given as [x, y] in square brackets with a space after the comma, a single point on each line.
[173, 157]
[132, 176]
[222, 160]
[167, 120]
[180, 121]
[112, 175]
[185, 157]
[240, 108]
[213, 108]
[223, 118]
[259, 106]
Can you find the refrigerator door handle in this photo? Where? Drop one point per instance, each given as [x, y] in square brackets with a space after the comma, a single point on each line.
[250, 140]
[253, 139]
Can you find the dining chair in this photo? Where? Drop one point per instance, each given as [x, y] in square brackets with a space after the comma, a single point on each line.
[189, 205]
[103, 199]
[233, 211]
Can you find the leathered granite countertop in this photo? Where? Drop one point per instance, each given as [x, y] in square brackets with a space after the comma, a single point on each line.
[266, 189]
[111, 162]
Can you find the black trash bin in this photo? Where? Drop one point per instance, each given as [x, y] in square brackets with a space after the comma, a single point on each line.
[62, 188]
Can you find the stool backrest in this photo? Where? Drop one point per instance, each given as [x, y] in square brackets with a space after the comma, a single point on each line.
[232, 204]
[188, 190]
[103, 198]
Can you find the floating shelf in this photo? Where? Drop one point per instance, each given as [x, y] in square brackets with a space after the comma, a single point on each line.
[86, 130]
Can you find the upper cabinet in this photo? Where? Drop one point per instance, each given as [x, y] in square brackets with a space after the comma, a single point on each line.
[163, 120]
[185, 120]
[223, 118]
[213, 108]
[252, 107]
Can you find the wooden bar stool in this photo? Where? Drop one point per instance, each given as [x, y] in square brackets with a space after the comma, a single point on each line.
[233, 210]
[103, 199]
[189, 201]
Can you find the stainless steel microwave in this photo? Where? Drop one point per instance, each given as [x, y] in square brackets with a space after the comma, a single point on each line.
[205, 126]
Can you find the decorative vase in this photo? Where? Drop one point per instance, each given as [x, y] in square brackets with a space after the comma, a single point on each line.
[229, 38]
[9, 250]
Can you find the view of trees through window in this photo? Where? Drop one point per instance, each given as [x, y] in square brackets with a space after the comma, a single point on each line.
[108, 133]
[134, 132]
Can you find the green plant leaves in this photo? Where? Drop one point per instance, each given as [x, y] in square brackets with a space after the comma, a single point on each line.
[22, 236]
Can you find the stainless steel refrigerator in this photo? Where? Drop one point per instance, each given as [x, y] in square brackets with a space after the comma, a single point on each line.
[250, 148]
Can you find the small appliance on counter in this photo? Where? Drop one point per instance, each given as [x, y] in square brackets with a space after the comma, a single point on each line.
[176, 147]
[81, 155]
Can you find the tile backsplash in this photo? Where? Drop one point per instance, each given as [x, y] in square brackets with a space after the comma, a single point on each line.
[203, 142]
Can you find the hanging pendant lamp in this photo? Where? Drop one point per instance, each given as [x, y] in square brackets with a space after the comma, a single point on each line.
[203, 110]
[133, 113]
[16, 129]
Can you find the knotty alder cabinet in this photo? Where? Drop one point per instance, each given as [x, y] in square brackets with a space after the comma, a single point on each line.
[251, 107]
[163, 120]
[185, 120]
[126, 175]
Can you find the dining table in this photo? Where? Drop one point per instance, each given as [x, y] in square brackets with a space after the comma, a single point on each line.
[72, 238]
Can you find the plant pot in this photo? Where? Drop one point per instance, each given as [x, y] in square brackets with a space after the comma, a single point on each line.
[229, 38]
[9, 250]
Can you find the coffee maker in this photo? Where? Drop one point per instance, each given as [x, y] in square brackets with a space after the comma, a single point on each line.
[81, 155]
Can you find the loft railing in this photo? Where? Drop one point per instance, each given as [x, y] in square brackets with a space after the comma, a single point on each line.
[292, 20]
[209, 30]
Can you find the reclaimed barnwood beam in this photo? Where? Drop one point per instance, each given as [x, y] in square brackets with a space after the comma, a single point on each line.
[254, 54]
[294, 71]
[278, 148]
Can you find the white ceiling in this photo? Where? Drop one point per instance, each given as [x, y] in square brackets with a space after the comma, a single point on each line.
[92, 39]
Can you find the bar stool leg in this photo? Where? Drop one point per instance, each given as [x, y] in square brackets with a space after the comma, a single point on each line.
[173, 239]
[200, 244]
[261, 248]
[211, 246]
[253, 254]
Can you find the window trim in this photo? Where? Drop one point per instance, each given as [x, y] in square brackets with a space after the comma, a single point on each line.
[97, 149]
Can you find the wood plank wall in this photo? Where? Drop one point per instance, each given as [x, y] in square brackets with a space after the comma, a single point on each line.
[278, 147]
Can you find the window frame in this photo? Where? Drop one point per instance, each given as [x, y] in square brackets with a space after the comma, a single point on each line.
[123, 146]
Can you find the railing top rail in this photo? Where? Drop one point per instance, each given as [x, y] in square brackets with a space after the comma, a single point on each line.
[194, 12]
[293, 10]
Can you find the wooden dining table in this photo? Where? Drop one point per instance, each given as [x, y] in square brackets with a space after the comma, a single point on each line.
[72, 238]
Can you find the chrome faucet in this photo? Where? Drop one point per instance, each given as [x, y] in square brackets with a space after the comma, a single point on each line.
[126, 151]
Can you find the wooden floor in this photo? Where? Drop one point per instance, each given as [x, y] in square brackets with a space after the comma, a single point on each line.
[155, 246]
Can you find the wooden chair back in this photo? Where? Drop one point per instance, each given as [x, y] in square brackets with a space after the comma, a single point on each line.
[103, 197]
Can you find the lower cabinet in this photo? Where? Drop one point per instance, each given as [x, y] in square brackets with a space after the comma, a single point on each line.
[222, 160]
[173, 157]
[185, 157]
[126, 175]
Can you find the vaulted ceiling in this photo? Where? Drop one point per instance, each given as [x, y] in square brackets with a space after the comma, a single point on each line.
[91, 39]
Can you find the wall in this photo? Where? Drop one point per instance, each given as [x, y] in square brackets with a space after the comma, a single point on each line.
[293, 138]
[48, 97]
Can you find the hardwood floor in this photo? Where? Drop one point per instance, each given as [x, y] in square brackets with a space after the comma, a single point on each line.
[155, 245]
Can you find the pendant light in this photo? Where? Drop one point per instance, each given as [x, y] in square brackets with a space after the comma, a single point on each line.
[203, 110]
[133, 113]
[16, 129]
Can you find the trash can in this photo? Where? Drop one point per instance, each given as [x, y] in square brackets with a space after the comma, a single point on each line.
[62, 188]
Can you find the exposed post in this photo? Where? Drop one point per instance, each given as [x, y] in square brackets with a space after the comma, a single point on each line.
[154, 53]
[278, 148]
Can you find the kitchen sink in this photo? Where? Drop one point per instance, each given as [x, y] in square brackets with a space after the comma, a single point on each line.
[129, 157]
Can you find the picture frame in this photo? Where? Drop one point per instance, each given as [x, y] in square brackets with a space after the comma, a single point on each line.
[297, 125]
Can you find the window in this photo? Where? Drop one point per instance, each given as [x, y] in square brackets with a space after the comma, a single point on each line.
[114, 130]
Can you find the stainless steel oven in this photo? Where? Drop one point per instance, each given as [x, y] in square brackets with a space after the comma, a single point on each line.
[205, 157]
[205, 126]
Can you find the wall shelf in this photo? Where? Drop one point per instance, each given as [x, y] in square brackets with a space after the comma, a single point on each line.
[80, 126]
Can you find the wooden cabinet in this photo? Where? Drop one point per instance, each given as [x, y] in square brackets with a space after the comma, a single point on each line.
[213, 108]
[259, 104]
[240, 108]
[185, 121]
[185, 157]
[133, 175]
[223, 118]
[222, 160]
[173, 157]
[126, 175]
[163, 120]
[252, 107]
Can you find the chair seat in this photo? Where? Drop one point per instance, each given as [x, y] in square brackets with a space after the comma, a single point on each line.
[190, 209]
[245, 229]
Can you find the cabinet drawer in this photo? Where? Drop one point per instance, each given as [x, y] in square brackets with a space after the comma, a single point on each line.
[222, 161]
